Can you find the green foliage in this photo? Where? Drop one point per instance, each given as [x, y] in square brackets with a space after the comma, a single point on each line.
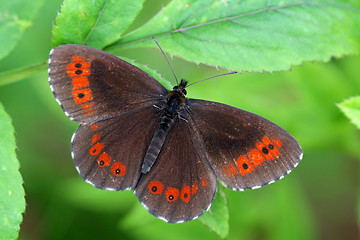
[252, 35]
[151, 72]
[12, 201]
[217, 218]
[15, 18]
[351, 108]
[238, 35]
[94, 23]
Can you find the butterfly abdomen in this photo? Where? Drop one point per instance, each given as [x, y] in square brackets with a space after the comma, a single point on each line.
[157, 141]
[173, 105]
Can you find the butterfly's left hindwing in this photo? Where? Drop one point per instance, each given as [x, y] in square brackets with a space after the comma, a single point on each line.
[244, 149]
[109, 154]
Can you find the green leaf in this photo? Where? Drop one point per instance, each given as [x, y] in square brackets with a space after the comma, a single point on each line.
[15, 17]
[351, 109]
[21, 73]
[358, 205]
[85, 196]
[151, 72]
[95, 23]
[12, 201]
[217, 218]
[252, 35]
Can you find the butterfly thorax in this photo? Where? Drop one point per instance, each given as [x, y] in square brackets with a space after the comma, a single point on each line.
[174, 103]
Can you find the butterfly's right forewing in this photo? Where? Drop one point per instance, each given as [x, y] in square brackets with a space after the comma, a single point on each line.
[244, 149]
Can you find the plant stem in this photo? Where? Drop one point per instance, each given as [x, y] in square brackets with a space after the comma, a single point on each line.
[18, 74]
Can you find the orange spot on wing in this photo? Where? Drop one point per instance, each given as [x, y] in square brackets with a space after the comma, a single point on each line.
[264, 150]
[82, 95]
[86, 106]
[77, 59]
[96, 149]
[80, 82]
[233, 168]
[95, 138]
[104, 160]
[277, 142]
[185, 193]
[87, 109]
[78, 65]
[118, 169]
[244, 165]
[271, 146]
[94, 126]
[155, 187]
[256, 157]
[204, 182]
[194, 188]
[172, 194]
[88, 112]
[78, 72]
[227, 171]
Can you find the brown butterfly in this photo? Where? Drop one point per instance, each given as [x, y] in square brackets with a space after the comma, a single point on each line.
[135, 134]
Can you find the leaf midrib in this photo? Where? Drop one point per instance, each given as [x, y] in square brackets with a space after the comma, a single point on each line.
[96, 22]
[183, 29]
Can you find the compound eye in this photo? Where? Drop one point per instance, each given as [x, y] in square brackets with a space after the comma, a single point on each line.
[184, 91]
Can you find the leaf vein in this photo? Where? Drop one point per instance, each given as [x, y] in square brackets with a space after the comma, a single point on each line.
[181, 29]
[97, 21]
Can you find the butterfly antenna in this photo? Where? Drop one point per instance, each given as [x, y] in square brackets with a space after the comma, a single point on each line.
[228, 73]
[177, 83]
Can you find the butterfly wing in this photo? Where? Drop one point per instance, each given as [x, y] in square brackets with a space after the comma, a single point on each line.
[244, 149]
[92, 85]
[181, 183]
[109, 154]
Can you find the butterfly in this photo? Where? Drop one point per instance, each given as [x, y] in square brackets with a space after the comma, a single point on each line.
[135, 134]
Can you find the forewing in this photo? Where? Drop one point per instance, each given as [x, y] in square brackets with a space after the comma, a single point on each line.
[244, 149]
[181, 183]
[92, 85]
[109, 154]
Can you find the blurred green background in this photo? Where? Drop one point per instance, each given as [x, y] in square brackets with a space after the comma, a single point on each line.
[318, 200]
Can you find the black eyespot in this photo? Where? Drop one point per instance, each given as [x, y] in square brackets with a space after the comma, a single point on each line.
[245, 166]
[154, 189]
[265, 150]
[101, 163]
[185, 195]
[94, 150]
[117, 171]
[78, 72]
[78, 65]
[171, 197]
[271, 147]
[81, 95]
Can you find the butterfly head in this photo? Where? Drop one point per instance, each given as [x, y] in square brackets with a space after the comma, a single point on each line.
[181, 87]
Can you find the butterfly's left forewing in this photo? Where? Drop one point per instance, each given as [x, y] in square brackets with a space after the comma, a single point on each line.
[244, 149]
[92, 85]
